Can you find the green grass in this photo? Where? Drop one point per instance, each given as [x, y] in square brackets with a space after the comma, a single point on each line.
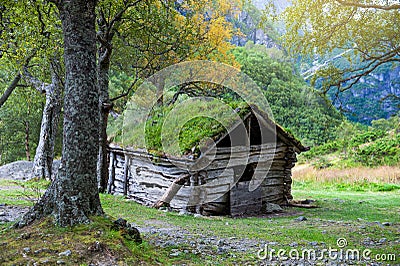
[22, 193]
[353, 215]
[343, 212]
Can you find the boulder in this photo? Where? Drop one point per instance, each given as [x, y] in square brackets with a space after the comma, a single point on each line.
[22, 170]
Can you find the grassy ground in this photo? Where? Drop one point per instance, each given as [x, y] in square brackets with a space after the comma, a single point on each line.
[366, 214]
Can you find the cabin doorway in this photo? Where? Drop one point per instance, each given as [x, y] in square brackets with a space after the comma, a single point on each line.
[242, 201]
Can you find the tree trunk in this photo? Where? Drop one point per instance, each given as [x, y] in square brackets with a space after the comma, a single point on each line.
[105, 108]
[105, 36]
[103, 159]
[43, 162]
[27, 149]
[73, 196]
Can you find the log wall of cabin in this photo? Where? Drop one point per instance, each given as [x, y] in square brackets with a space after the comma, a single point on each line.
[147, 178]
[144, 180]
[224, 197]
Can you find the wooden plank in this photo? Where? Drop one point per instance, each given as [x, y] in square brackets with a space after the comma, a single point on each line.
[237, 149]
[272, 181]
[217, 189]
[212, 197]
[277, 199]
[111, 174]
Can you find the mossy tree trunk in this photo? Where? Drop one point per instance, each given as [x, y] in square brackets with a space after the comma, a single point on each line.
[43, 162]
[73, 196]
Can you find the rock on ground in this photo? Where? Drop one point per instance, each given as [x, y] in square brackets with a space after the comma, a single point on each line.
[21, 170]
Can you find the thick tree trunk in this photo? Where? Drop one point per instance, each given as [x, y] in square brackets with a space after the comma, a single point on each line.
[73, 196]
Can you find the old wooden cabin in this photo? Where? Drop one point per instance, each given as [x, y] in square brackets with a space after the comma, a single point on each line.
[220, 179]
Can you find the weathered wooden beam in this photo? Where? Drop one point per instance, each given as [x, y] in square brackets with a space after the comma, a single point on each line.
[126, 175]
[111, 173]
[172, 191]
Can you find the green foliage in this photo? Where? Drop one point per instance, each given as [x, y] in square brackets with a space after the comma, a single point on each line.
[295, 105]
[364, 31]
[373, 146]
[22, 111]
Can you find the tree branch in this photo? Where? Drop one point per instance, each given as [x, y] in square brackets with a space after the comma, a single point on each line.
[34, 82]
[363, 71]
[376, 6]
[15, 82]
[128, 90]
[10, 89]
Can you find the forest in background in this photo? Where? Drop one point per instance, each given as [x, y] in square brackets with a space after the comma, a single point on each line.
[297, 105]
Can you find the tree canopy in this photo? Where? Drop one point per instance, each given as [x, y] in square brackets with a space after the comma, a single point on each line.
[364, 33]
[295, 105]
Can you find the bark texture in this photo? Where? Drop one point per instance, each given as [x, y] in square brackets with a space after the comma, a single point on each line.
[43, 161]
[105, 50]
[103, 159]
[73, 196]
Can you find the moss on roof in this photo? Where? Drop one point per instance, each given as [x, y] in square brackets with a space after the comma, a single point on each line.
[182, 130]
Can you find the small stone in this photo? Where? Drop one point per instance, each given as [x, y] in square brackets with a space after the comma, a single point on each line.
[120, 222]
[60, 262]
[221, 242]
[195, 251]
[300, 219]
[382, 240]
[3, 214]
[360, 219]
[324, 232]
[24, 236]
[175, 254]
[221, 250]
[197, 215]
[170, 243]
[272, 208]
[294, 244]
[65, 253]
[182, 212]
[314, 243]
[362, 227]
[386, 224]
